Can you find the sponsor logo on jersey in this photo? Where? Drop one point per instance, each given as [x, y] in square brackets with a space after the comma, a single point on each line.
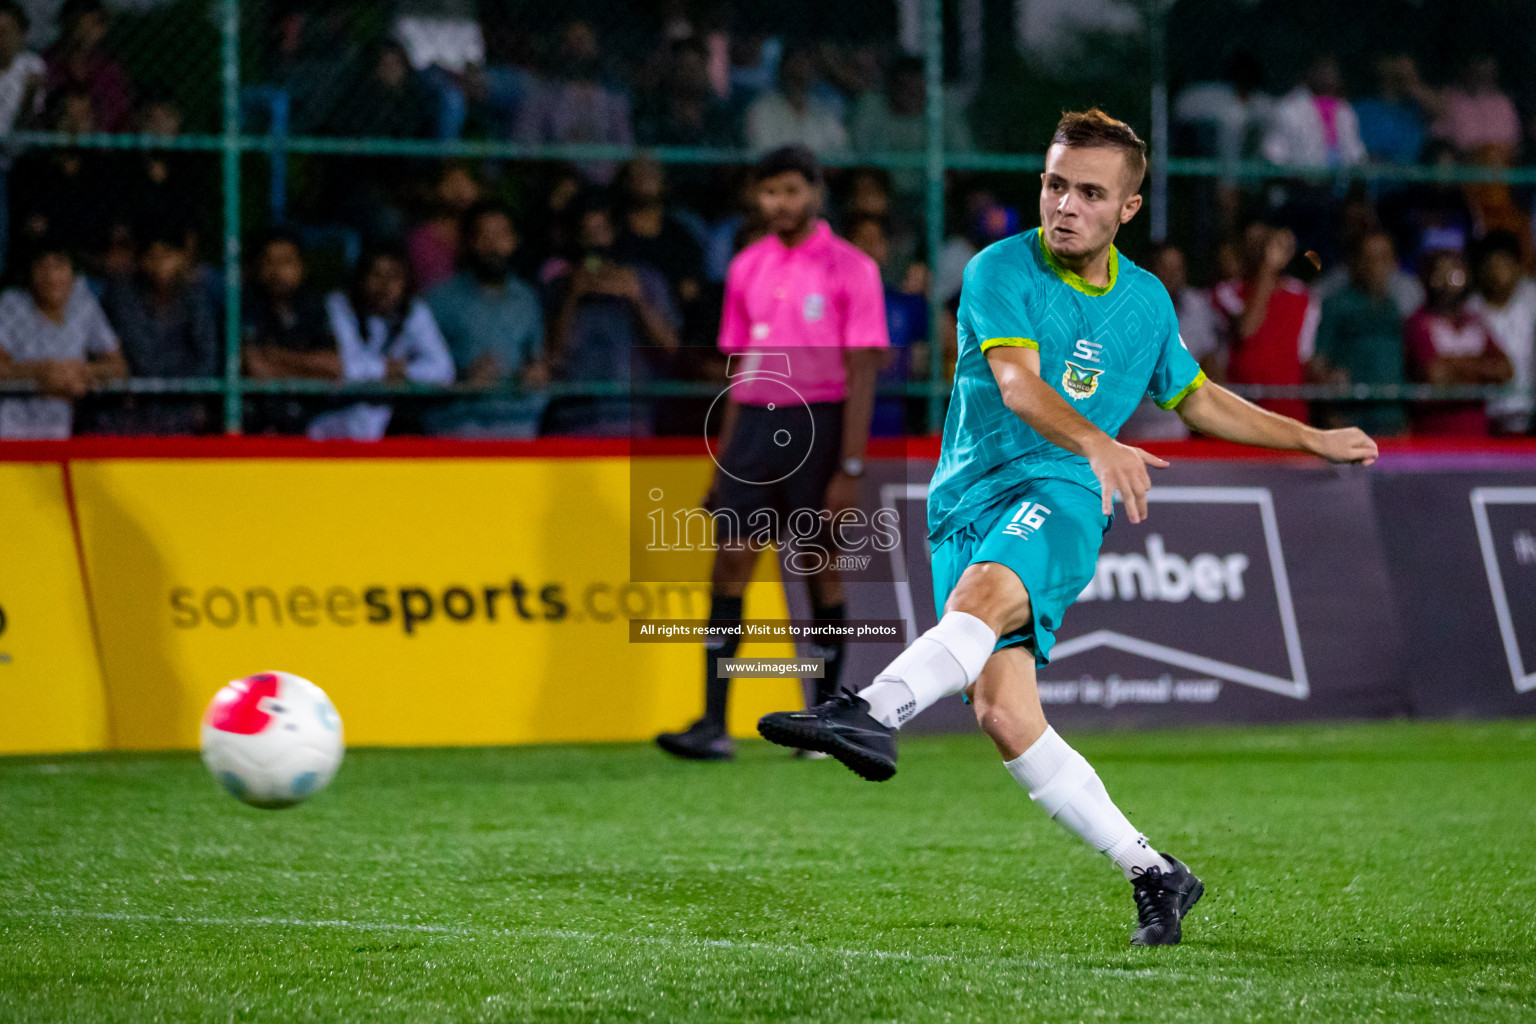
[1080, 382]
[815, 307]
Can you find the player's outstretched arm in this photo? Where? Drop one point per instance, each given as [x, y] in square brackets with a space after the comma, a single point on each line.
[1120, 468]
[1217, 412]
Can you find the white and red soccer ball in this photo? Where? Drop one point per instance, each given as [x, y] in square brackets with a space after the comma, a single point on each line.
[272, 739]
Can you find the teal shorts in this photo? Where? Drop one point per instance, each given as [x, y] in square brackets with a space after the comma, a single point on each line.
[1048, 532]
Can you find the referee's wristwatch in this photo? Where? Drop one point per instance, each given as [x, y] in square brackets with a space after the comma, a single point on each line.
[853, 466]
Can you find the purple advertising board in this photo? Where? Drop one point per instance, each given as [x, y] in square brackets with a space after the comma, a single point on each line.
[1268, 592]
[1461, 547]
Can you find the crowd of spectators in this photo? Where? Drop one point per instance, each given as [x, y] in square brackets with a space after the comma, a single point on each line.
[1425, 283]
[1316, 127]
[1465, 318]
[505, 276]
[694, 83]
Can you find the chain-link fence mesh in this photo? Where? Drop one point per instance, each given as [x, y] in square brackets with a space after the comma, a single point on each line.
[315, 185]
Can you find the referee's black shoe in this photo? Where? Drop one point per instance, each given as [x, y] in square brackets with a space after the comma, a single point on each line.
[1163, 897]
[841, 727]
[702, 741]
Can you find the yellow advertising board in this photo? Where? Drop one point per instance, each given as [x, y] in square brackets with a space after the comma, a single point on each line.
[437, 601]
[50, 683]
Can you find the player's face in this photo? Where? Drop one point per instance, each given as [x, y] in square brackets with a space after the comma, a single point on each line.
[1084, 198]
[788, 202]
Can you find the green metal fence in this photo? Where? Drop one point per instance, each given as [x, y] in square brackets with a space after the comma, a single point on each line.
[210, 57]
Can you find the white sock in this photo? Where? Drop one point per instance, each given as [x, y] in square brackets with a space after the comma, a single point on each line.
[941, 662]
[1065, 785]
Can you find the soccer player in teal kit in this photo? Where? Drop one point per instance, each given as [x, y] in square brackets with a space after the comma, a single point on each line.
[1060, 336]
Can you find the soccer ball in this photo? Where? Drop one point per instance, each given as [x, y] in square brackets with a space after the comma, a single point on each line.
[272, 739]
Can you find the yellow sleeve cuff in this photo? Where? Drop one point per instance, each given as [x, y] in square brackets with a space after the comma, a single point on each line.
[1173, 403]
[1010, 343]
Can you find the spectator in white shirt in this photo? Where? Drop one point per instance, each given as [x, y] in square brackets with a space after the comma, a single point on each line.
[1506, 300]
[383, 333]
[791, 115]
[54, 334]
[1313, 125]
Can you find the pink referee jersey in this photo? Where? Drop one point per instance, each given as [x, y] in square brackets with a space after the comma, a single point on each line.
[809, 302]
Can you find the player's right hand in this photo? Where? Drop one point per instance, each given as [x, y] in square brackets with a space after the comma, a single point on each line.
[1123, 469]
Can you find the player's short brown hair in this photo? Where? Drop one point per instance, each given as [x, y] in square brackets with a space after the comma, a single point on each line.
[1082, 129]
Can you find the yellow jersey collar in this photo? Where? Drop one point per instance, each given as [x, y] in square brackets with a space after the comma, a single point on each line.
[1074, 279]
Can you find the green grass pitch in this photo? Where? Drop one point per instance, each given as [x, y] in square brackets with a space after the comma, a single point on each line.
[1365, 872]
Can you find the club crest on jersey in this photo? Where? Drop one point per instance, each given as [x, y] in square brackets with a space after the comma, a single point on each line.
[1080, 381]
[815, 307]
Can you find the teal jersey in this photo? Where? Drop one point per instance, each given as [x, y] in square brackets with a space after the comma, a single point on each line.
[1101, 348]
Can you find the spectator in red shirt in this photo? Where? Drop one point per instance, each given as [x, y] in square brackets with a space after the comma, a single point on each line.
[1449, 344]
[1272, 318]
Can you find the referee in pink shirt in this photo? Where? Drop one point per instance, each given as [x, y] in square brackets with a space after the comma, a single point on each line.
[804, 325]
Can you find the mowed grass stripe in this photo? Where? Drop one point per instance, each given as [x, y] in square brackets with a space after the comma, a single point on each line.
[681, 942]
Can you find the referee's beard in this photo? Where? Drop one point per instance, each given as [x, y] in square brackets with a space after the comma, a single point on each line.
[792, 231]
[789, 205]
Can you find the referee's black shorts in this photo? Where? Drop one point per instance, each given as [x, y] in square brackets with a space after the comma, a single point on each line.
[769, 462]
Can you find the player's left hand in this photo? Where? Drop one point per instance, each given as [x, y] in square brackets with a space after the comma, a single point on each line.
[842, 493]
[1122, 470]
[1347, 444]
